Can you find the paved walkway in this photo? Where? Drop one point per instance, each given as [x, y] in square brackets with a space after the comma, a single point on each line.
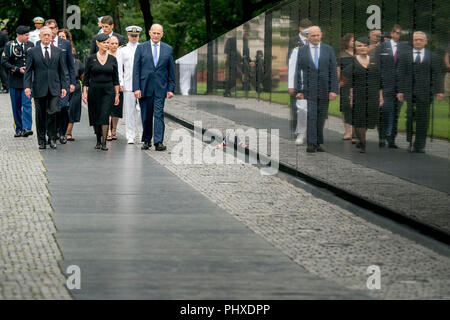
[140, 226]
[417, 185]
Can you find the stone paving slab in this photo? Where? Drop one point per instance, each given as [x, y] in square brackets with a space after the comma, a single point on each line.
[163, 240]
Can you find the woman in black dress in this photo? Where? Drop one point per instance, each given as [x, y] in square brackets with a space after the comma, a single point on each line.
[75, 97]
[102, 79]
[116, 112]
[346, 58]
[366, 96]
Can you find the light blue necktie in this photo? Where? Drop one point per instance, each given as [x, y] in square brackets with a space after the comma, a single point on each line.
[316, 57]
[155, 54]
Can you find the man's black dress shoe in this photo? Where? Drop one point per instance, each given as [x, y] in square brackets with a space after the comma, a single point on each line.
[319, 148]
[393, 146]
[18, 135]
[53, 144]
[382, 144]
[311, 148]
[42, 145]
[5, 91]
[146, 145]
[48, 141]
[160, 147]
[27, 133]
[63, 140]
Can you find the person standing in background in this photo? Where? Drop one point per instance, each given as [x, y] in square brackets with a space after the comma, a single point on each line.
[3, 74]
[34, 35]
[108, 29]
[14, 61]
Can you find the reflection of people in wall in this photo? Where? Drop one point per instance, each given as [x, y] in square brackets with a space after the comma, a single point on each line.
[318, 85]
[420, 77]
[259, 71]
[294, 44]
[188, 67]
[246, 60]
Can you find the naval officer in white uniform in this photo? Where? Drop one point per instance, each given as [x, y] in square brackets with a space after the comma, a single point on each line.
[125, 60]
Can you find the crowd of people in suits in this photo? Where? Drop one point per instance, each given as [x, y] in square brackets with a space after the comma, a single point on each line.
[42, 67]
[373, 76]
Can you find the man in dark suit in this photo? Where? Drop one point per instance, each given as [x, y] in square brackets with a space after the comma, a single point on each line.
[389, 54]
[318, 84]
[107, 27]
[46, 73]
[153, 82]
[14, 61]
[420, 77]
[62, 117]
[3, 76]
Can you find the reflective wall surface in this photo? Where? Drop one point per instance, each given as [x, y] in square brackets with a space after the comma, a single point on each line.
[247, 79]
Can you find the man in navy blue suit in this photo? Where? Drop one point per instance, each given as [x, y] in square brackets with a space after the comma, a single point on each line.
[389, 54]
[153, 82]
[317, 82]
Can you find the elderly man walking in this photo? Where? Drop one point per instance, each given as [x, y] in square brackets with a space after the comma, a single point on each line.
[153, 82]
[318, 84]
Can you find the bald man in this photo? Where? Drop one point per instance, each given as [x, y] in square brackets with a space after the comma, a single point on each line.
[153, 82]
[318, 84]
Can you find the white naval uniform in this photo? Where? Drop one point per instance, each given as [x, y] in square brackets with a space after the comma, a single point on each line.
[125, 59]
[301, 105]
[34, 36]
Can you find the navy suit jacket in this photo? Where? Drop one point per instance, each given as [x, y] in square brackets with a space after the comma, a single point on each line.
[388, 66]
[151, 80]
[316, 83]
[66, 47]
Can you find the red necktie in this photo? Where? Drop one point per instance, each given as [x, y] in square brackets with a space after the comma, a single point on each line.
[53, 42]
[395, 56]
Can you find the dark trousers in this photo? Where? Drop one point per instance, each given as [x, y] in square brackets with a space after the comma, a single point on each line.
[317, 115]
[389, 114]
[293, 122]
[419, 112]
[62, 121]
[152, 109]
[46, 108]
[4, 77]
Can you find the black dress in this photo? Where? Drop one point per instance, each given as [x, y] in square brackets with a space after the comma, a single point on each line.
[344, 60]
[366, 93]
[75, 97]
[101, 80]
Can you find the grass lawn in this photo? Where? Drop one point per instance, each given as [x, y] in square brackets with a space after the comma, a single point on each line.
[441, 108]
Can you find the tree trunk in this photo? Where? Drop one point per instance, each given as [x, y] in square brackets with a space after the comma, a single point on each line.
[147, 14]
[116, 16]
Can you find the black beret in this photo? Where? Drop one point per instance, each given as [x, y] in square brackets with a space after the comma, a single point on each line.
[364, 40]
[102, 37]
[22, 29]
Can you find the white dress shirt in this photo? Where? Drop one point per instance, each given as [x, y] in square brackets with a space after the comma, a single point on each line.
[422, 54]
[55, 42]
[125, 61]
[394, 47]
[49, 49]
[158, 48]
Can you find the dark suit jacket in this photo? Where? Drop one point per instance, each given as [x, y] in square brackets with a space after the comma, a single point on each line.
[316, 83]
[48, 77]
[66, 47]
[94, 47]
[3, 41]
[151, 80]
[421, 80]
[388, 66]
[294, 42]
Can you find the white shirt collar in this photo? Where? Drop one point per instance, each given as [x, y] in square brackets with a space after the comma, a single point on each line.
[393, 43]
[158, 44]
